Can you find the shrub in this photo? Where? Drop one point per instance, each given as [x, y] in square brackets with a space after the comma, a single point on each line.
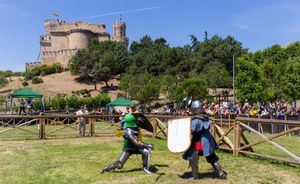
[37, 80]
[38, 104]
[86, 79]
[43, 70]
[25, 83]
[28, 75]
[59, 102]
[82, 92]
[3, 81]
[73, 102]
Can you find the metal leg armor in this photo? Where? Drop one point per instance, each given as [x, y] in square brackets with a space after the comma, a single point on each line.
[213, 159]
[221, 173]
[146, 154]
[193, 163]
[117, 164]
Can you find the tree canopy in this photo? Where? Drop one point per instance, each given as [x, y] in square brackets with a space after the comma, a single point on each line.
[151, 66]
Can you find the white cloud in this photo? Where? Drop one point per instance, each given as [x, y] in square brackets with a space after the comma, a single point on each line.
[274, 18]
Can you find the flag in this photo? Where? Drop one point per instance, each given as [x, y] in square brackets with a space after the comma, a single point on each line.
[55, 14]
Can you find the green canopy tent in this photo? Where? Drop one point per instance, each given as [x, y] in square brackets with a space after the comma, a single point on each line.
[26, 93]
[120, 102]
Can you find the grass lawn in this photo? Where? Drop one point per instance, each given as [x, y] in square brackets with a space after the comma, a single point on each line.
[77, 160]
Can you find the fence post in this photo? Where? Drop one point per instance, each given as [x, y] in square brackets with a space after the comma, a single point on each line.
[154, 124]
[42, 128]
[92, 127]
[237, 137]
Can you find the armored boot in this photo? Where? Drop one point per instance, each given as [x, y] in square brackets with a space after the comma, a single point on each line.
[118, 164]
[221, 173]
[146, 160]
[193, 163]
[111, 166]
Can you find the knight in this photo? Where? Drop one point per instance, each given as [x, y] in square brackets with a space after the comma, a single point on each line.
[203, 143]
[132, 144]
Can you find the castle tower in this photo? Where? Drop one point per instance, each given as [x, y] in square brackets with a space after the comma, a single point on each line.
[119, 33]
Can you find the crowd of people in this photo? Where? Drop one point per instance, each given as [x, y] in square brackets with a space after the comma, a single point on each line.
[279, 109]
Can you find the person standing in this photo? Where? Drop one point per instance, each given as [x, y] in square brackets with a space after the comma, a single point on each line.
[203, 143]
[30, 106]
[81, 120]
[22, 107]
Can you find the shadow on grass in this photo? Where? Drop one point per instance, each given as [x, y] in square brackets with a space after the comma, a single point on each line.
[188, 175]
[153, 168]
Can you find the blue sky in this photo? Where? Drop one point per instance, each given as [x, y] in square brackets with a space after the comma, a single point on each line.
[257, 24]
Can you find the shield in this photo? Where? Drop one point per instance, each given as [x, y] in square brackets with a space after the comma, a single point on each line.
[179, 135]
[143, 122]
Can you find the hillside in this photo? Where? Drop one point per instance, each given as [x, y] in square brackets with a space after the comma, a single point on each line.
[54, 84]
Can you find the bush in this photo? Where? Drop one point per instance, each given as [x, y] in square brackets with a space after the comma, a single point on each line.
[58, 102]
[73, 102]
[25, 83]
[7, 73]
[3, 81]
[62, 102]
[82, 92]
[38, 104]
[86, 79]
[37, 80]
[28, 75]
[43, 70]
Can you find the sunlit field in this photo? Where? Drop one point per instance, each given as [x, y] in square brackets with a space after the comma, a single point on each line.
[78, 160]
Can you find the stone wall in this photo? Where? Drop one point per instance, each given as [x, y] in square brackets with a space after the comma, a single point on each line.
[62, 57]
[62, 40]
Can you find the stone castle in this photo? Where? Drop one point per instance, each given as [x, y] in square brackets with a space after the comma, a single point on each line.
[62, 40]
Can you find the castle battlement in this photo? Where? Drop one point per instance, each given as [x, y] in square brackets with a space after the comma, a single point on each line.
[55, 21]
[62, 39]
[66, 52]
[30, 65]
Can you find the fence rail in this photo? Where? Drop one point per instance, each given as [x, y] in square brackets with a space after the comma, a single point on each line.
[244, 136]
[234, 135]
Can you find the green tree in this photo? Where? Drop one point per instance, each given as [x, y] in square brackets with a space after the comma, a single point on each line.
[195, 88]
[101, 61]
[250, 82]
[3, 81]
[143, 87]
[216, 76]
[289, 84]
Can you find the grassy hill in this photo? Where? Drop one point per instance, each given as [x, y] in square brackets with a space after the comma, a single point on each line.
[53, 84]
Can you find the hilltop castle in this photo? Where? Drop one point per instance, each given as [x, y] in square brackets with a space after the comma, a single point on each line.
[62, 40]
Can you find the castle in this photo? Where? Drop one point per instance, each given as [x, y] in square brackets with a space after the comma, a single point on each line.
[62, 40]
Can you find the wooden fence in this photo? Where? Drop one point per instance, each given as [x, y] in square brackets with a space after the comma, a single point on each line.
[54, 126]
[237, 136]
[234, 135]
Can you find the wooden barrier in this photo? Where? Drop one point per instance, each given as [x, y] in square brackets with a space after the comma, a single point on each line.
[65, 125]
[241, 125]
[230, 134]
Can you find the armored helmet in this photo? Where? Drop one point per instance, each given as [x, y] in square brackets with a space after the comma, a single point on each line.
[130, 121]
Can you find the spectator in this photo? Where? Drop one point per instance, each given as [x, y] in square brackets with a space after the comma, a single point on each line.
[30, 106]
[22, 107]
[81, 120]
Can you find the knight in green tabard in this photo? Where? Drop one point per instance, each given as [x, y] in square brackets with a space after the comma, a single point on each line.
[132, 144]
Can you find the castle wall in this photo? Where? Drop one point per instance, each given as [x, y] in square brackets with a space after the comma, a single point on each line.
[54, 25]
[58, 42]
[62, 40]
[79, 39]
[62, 57]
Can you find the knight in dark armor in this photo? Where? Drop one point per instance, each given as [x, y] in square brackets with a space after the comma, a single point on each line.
[203, 143]
[132, 144]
